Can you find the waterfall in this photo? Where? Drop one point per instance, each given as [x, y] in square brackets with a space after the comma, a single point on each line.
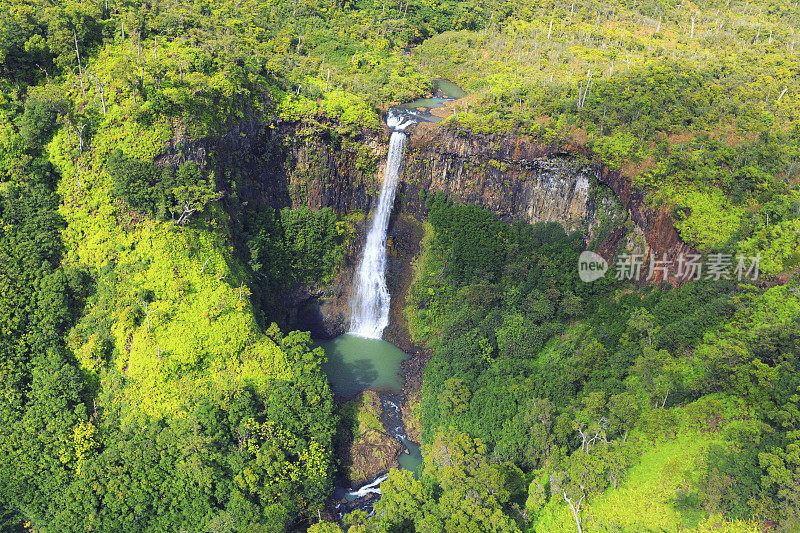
[369, 313]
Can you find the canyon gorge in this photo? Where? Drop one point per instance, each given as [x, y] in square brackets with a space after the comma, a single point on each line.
[313, 164]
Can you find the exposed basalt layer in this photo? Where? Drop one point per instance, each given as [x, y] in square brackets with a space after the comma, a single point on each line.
[318, 164]
[508, 175]
[521, 179]
[326, 169]
[661, 237]
[517, 179]
[300, 163]
[402, 245]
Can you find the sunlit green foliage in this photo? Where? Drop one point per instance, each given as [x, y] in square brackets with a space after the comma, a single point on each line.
[142, 393]
[144, 388]
[691, 102]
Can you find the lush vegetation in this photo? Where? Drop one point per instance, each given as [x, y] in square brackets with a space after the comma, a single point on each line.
[146, 385]
[139, 393]
[290, 247]
[549, 401]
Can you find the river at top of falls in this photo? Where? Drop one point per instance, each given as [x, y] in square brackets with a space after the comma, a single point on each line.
[369, 313]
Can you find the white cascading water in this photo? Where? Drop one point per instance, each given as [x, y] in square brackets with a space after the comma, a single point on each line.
[370, 488]
[369, 313]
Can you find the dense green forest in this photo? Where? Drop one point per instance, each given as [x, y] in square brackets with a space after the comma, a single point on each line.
[148, 383]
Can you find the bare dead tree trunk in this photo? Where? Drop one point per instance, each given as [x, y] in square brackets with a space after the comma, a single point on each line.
[139, 55]
[45, 72]
[101, 87]
[79, 133]
[80, 68]
[669, 385]
[576, 510]
[147, 313]
[582, 98]
[184, 218]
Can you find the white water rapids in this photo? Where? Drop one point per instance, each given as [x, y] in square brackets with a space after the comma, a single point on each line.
[369, 313]
[371, 488]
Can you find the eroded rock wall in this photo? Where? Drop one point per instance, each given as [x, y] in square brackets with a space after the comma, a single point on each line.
[509, 176]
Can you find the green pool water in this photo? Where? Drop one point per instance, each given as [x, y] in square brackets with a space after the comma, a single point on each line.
[355, 364]
[411, 460]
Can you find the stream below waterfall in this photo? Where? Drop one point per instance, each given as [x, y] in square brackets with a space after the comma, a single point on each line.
[360, 360]
[354, 365]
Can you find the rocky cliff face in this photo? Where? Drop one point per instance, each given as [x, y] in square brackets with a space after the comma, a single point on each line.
[520, 179]
[297, 164]
[658, 233]
[312, 164]
[507, 175]
[512, 177]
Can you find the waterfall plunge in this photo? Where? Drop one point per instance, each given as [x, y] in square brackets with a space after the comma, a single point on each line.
[369, 313]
